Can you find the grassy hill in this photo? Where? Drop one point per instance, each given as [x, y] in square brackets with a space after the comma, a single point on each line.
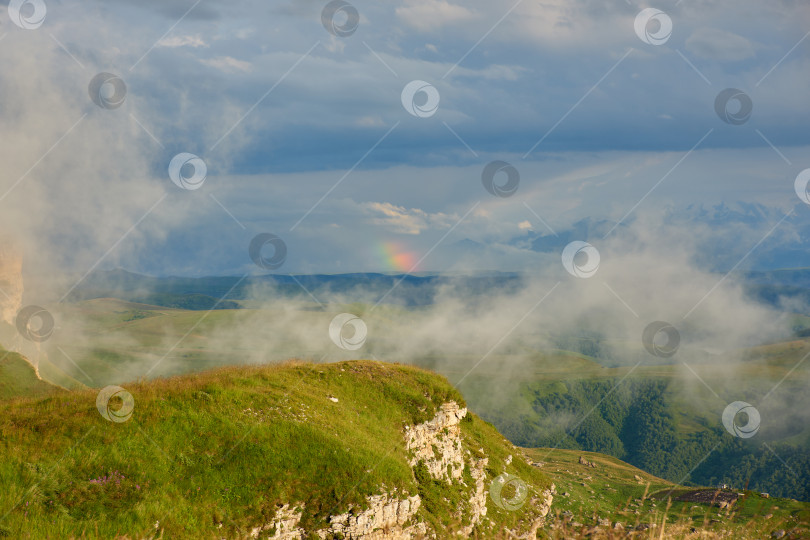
[665, 420]
[540, 397]
[18, 378]
[619, 499]
[215, 454]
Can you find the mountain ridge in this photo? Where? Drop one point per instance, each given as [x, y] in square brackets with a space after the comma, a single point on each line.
[355, 449]
[254, 447]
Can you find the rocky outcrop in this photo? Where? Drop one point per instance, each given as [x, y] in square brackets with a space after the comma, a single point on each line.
[585, 462]
[478, 501]
[437, 443]
[542, 506]
[284, 526]
[386, 517]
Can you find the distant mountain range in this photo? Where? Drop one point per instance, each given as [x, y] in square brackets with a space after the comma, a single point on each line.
[775, 249]
[233, 292]
[319, 291]
[229, 292]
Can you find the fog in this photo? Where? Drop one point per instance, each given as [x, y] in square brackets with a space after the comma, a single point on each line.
[84, 188]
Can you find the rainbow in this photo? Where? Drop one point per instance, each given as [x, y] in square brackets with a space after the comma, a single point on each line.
[395, 257]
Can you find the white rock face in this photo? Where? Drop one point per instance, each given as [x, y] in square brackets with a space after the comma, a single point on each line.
[284, 526]
[542, 506]
[385, 518]
[478, 501]
[438, 444]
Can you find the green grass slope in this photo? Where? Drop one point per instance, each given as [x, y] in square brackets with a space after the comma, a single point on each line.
[533, 397]
[591, 501]
[18, 378]
[50, 373]
[121, 341]
[665, 419]
[214, 454]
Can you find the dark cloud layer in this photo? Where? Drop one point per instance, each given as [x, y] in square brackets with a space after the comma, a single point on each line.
[304, 134]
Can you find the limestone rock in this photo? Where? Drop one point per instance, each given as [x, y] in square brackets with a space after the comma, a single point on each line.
[284, 526]
[478, 501]
[542, 506]
[385, 517]
[437, 442]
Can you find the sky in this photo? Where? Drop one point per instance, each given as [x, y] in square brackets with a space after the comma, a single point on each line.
[358, 133]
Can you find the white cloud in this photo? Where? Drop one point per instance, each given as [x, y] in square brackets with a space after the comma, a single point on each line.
[228, 64]
[182, 41]
[714, 44]
[429, 15]
[406, 220]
